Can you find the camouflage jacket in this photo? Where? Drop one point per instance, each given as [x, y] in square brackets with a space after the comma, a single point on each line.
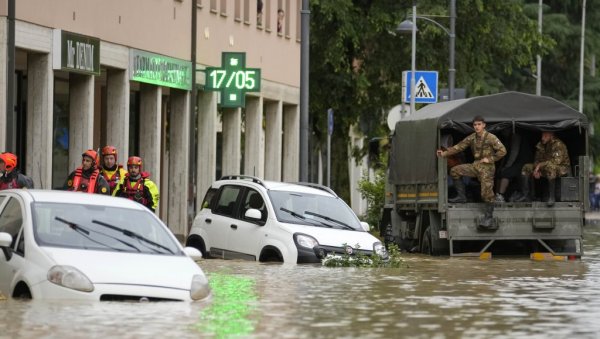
[488, 146]
[553, 152]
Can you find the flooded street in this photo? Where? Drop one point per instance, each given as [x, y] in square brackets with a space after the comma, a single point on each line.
[432, 297]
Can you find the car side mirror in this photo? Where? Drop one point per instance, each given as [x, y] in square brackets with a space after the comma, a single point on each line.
[365, 226]
[192, 253]
[5, 241]
[253, 214]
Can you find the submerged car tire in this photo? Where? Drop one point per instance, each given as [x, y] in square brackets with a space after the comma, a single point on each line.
[21, 291]
[270, 254]
[198, 243]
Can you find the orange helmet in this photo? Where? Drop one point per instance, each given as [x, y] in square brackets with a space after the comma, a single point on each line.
[9, 160]
[92, 154]
[109, 150]
[134, 161]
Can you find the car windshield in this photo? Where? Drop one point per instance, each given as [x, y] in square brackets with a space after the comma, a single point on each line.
[103, 228]
[313, 210]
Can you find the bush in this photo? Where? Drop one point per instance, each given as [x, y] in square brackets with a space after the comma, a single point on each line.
[374, 193]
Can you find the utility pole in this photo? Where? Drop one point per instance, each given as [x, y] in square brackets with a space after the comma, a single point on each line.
[11, 119]
[304, 68]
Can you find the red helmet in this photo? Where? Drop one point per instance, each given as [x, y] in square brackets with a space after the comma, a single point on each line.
[110, 150]
[135, 161]
[92, 154]
[9, 160]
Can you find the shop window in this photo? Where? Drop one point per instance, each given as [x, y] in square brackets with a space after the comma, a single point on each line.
[134, 122]
[60, 133]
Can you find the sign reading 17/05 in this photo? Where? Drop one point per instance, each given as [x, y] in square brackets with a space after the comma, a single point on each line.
[233, 79]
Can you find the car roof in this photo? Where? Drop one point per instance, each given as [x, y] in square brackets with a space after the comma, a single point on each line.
[38, 195]
[278, 186]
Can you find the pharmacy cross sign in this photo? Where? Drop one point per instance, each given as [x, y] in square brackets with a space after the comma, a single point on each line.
[233, 79]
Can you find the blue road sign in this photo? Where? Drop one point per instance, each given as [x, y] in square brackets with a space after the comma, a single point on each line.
[330, 121]
[426, 86]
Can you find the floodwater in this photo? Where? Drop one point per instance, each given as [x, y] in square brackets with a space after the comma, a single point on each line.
[430, 298]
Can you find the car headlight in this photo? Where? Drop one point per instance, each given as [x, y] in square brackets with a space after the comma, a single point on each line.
[304, 240]
[200, 288]
[380, 250]
[70, 277]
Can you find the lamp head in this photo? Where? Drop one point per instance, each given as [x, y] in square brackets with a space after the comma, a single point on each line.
[406, 27]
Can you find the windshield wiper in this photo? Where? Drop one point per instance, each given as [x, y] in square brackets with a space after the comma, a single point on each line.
[341, 223]
[300, 216]
[134, 235]
[86, 233]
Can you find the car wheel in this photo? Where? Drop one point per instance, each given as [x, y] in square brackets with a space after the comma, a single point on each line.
[270, 254]
[198, 243]
[22, 291]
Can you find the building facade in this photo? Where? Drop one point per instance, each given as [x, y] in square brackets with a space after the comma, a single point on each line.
[112, 72]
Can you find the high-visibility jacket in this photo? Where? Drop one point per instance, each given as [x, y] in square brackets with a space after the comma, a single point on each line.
[114, 177]
[142, 190]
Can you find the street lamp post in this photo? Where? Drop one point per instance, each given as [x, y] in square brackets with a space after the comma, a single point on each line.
[408, 26]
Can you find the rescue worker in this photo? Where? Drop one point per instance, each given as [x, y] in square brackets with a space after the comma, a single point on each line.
[551, 161]
[10, 177]
[487, 149]
[113, 172]
[87, 177]
[137, 185]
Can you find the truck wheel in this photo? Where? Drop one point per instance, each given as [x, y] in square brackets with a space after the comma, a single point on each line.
[426, 242]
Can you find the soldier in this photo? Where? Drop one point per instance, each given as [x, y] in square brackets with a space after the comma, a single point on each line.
[487, 149]
[113, 172]
[10, 176]
[551, 161]
[137, 185]
[87, 177]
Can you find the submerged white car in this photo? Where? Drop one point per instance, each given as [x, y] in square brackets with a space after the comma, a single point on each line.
[67, 245]
[243, 217]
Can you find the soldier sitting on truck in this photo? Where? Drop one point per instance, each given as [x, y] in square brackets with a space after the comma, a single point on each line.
[551, 161]
[487, 149]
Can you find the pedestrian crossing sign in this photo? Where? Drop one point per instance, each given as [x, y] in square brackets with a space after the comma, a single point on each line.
[426, 86]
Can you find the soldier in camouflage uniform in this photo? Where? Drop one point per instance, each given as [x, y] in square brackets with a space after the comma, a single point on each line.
[487, 149]
[551, 161]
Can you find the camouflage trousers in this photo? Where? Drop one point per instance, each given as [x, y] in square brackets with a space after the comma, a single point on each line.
[549, 171]
[483, 172]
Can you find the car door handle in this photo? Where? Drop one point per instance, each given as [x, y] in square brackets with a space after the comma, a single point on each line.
[234, 226]
[208, 220]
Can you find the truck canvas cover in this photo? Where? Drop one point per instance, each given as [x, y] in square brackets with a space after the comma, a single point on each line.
[415, 139]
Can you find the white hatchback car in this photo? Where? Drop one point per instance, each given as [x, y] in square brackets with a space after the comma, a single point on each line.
[67, 245]
[243, 217]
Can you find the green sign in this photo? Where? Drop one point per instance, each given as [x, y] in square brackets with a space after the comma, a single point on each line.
[76, 53]
[233, 79]
[160, 70]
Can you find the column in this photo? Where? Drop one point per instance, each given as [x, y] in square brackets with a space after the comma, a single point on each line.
[291, 143]
[150, 129]
[232, 136]
[206, 159]
[254, 142]
[81, 117]
[274, 120]
[117, 112]
[179, 121]
[40, 99]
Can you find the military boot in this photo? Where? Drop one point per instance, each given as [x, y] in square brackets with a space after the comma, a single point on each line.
[525, 182]
[488, 223]
[461, 196]
[551, 192]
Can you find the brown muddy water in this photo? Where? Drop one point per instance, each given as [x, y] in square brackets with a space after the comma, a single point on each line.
[431, 298]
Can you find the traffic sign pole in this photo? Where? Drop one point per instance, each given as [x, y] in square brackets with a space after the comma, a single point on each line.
[329, 133]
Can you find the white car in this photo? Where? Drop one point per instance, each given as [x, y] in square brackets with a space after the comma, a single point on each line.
[68, 245]
[243, 217]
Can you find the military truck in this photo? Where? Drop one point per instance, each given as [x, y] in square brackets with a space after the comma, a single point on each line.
[417, 215]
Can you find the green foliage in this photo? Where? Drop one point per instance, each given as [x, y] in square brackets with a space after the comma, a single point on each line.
[374, 193]
[362, 260]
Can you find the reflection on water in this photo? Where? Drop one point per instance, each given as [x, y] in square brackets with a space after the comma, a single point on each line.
[432, 297]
